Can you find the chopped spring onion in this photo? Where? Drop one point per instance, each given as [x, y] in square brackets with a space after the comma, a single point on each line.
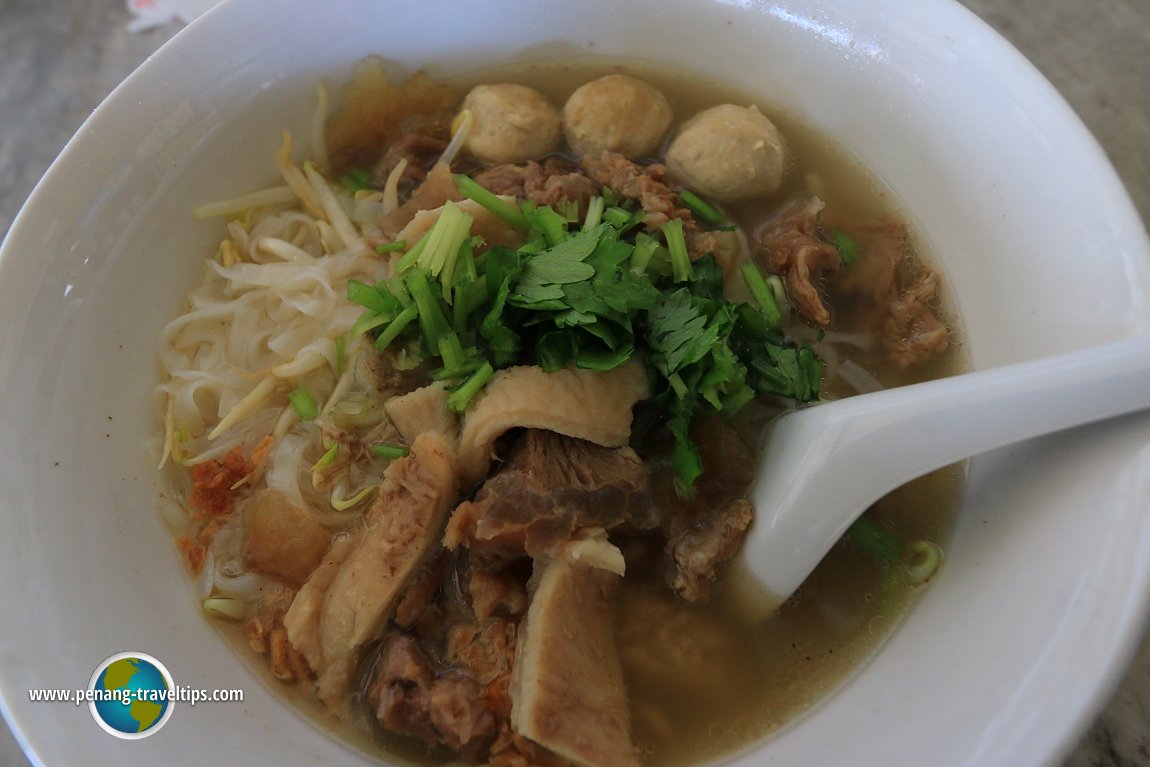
[370, 297]
[389, 451]
[472, 190]
[775, 283]
[303, 403]
[677, 245]
[340, 355]
[762, 294]
[848, 247]
[459, 399]
[391, 247]
[645, 246]
[872, 538]
[925, 558]
[702, 210]
[328, 458]
[396, 326]
[223, 607]
[447, 236]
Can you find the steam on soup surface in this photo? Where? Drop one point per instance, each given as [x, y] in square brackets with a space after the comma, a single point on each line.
[463, 416]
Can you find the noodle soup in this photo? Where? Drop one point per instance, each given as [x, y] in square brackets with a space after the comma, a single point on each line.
[461, 406]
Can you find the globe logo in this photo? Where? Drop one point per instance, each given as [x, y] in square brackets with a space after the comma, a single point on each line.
[131, 695]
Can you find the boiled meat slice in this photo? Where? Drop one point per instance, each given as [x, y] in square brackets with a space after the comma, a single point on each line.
[586, 404]
[567, 690]
[353, 592]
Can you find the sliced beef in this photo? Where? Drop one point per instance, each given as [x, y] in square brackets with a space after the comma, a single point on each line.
[549, 487]
[913, 333]
[646, 184]
[699, 549]
[551, 182]
[794, 248]
[450, 688]
[461, 718]
[567, 689]
[494, 588]
[401, 694]
[348, 598]
[587, 404]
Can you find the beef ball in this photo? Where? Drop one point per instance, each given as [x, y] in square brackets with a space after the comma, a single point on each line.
[616, 113]
[729, 153]
[512, 123]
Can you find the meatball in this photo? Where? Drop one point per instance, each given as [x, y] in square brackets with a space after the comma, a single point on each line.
[512, 123]
[616, 113]
[728, 153]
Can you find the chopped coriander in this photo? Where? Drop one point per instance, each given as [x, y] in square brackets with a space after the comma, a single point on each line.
[588, 294]
[303, 403]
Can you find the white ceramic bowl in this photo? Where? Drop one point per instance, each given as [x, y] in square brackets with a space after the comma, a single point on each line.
[1003, 660]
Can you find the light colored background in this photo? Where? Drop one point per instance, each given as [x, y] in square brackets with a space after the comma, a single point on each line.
[59, 59]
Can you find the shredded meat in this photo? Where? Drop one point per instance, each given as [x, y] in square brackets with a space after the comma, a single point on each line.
[549, 487]
[420, 150]
[697, 551]
[401, 694]
[863, 291]
[456, 694]
[792, 244]
[493, 588]
[213, 482]
[553, 182]
[647, 184]
[913, 333]
[886, 293]
[436, 189]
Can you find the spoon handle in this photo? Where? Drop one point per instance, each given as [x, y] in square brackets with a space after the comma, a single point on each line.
[825, 465]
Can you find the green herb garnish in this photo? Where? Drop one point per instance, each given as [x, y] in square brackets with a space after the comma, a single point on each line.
[588, 293]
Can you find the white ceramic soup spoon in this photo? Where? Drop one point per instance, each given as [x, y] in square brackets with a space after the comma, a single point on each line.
[825, 465]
